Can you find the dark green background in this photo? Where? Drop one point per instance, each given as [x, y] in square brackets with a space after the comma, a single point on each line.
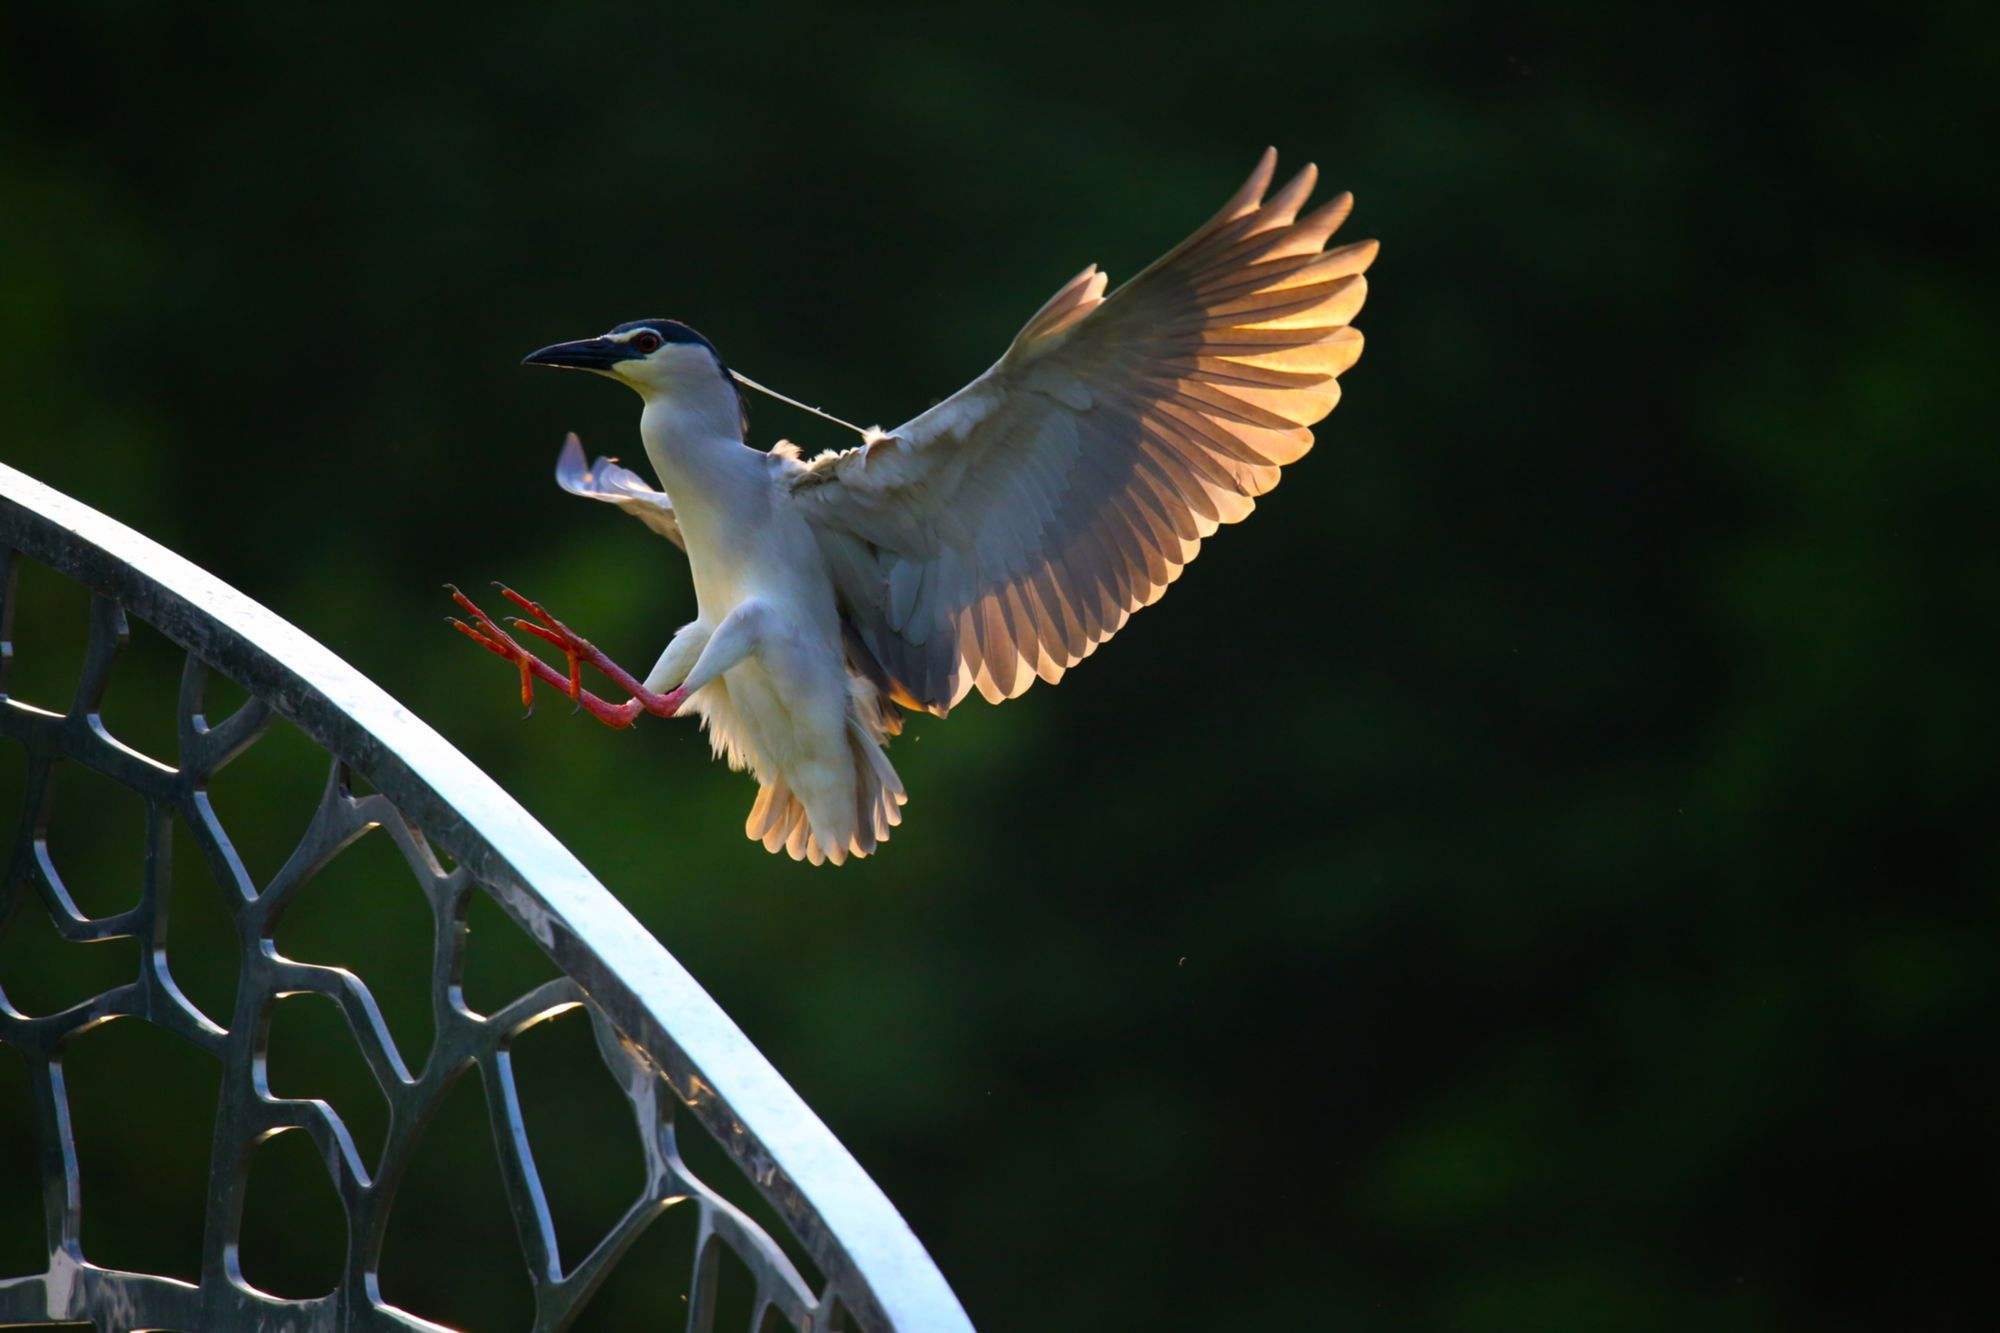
[1537, 873]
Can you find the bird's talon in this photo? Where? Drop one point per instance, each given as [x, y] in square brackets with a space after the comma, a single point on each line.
[531, 606]
[575, 649]
[548, 636]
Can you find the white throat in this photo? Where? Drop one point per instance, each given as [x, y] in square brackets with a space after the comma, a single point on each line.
[692, 417]
[695, 398]
[692, 427]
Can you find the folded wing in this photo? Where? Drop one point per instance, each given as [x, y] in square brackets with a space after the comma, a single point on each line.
[607, 481]
[1000, 537]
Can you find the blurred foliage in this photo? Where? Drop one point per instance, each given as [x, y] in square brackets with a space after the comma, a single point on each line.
[1536, 873]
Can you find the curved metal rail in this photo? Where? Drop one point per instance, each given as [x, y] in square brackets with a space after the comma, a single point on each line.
[655, 1026]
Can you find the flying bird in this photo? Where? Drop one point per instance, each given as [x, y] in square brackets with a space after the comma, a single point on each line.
[992, 541]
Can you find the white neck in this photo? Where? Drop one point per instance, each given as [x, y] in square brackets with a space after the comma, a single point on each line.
[693, 432]
[692, 422]
[701, 400]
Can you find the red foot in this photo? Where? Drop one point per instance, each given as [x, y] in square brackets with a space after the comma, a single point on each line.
[574, 647]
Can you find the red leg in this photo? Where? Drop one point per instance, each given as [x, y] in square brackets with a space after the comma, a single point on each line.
[577, 649]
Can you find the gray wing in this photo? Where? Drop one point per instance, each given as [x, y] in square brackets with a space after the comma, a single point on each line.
[606, 480]
[1003, 535]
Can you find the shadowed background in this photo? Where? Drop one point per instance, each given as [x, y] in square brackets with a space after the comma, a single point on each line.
[1534, 873]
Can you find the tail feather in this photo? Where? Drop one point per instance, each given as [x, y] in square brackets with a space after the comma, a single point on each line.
[774, 817]
[879, 793]
[799, 844]
[778, 818]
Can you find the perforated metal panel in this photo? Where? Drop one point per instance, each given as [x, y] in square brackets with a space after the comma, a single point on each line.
[681, 1064]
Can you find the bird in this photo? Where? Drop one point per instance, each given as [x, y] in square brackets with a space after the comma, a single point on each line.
[994, 540]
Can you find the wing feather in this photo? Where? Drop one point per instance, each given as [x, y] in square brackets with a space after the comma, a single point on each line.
[1004, 534]
[606, 480]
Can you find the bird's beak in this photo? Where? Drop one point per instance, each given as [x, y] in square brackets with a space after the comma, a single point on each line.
[584, 354]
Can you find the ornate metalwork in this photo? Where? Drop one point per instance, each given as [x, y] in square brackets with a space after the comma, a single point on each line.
[656, 1029]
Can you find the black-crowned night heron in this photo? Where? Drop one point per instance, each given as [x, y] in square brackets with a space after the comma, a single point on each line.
[995, 540]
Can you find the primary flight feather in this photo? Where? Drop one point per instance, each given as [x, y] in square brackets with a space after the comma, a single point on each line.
[993, 541]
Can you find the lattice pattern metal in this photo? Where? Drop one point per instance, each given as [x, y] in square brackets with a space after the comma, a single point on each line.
[465, 1042]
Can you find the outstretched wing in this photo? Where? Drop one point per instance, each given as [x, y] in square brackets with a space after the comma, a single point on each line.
[607, 481]
[1003, 535]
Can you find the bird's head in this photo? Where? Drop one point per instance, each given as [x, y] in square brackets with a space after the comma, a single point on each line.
[657, 357]
[664, 360]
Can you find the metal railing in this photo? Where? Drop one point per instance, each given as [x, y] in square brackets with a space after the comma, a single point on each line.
[677, 1057]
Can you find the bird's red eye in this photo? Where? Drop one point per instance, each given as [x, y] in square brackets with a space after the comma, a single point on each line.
[646, 341]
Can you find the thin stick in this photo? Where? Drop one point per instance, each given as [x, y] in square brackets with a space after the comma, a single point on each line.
[866, 433]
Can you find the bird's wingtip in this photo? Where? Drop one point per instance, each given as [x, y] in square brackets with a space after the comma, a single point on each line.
[570, 466]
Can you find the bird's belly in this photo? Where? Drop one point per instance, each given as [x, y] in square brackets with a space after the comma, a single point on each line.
[772, 564]
[787, 701]
[781, 718]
